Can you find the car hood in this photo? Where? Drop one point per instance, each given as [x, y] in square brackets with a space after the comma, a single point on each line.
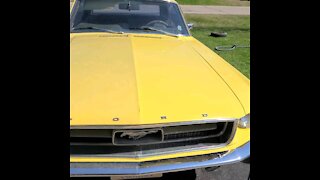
[144, 79]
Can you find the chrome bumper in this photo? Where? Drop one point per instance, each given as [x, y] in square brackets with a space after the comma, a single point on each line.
[109, 169]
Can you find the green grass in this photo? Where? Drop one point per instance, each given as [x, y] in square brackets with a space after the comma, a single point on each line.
[238, 29]
[215, 2]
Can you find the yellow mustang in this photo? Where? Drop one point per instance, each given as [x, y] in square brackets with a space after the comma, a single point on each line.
[148, 98]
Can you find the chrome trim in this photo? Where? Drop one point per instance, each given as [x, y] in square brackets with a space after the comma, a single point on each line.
[167, 151]
[184, 20]
[142, 126]
[107, 169]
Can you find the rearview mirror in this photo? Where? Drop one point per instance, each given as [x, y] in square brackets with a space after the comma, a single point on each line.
[190, 26]
[129, 6]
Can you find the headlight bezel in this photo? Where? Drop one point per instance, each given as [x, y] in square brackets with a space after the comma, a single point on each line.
[244, 122]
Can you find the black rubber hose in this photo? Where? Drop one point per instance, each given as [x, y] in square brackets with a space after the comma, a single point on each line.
[229, 48]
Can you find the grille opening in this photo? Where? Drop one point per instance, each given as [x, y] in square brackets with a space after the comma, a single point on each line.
[175, 138]
[90, 136]
[88, 140]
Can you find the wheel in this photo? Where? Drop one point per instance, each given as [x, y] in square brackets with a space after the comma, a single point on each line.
[247, 161]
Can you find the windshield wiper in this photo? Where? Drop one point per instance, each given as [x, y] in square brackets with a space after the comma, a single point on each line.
[96, 28]
[147, 28]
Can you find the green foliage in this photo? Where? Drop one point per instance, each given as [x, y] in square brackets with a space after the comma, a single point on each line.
[238, 29]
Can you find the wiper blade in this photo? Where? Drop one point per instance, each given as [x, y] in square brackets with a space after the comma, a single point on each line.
[147, 28]
[96, 28]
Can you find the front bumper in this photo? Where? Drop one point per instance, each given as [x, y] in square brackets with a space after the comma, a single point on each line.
[109, 169]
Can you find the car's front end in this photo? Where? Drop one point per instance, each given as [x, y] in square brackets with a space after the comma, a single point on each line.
[146, 101]
[177, 152]
[183, 146]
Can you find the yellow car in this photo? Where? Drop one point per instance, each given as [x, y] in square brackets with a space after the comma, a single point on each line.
[146, 97]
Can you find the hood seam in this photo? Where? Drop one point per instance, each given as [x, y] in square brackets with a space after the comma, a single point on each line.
[222, 80]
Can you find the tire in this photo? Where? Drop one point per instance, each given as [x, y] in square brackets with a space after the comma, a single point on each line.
[219, 34]
[246, 161]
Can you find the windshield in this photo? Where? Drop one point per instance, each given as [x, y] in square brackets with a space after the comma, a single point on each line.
[127, 16]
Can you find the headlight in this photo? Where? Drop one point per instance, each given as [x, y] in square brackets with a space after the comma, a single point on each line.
[244, 122]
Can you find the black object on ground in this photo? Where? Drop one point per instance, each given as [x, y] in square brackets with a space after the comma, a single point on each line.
[210, 169]
[247, 161]
[229, 48]
[219, 34]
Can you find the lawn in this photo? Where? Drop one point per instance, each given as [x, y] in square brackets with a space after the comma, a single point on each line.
[215, 2]
[238, 29]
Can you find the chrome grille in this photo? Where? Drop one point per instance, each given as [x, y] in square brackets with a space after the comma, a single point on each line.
[176, 138]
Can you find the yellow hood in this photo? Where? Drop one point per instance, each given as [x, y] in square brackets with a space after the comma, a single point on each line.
[144, 79]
